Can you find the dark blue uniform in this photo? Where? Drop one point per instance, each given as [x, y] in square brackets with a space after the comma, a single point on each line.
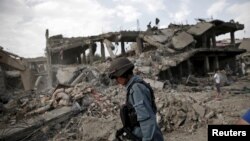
[246, 116]
[140, 98]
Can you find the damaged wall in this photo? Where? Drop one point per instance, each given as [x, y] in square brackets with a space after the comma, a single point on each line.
[179, 50]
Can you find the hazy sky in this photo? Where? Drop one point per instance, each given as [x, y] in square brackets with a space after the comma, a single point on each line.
[23, 22]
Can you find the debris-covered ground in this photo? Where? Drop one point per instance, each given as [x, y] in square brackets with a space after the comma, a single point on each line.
[183, 114]
[184, 111]
[84, 103]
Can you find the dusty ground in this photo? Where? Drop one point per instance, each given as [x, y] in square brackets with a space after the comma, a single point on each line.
[229, 109]
[178, 118]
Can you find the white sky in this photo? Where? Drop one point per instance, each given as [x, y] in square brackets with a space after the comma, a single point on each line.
[23, 22]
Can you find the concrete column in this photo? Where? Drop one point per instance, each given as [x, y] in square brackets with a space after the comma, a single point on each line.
[206, 64]
[94, 46]
[84, 57]
[232, 38]
[79, 58]
[139, 45]
[180, 70]
[170, 74]
[213, 39]
[102, 51]
[204, 40]
[234, 64]
[48, 54]
[216, 62]
[209, 43]
[91, 57]
[122, 47]
[109, 47]
[189, 64]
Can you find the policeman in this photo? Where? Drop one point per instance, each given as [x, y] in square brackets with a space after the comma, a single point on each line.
[245, 119]
[140, 96]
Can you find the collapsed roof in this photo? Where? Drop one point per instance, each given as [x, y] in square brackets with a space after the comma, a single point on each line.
[180, 36]
[176, 44]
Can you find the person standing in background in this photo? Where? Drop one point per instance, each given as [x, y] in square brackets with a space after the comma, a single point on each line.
[243, 68]
[217, 80]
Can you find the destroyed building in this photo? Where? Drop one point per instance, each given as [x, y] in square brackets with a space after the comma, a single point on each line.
[166, 54]
[77, 73]
[20, 73]
[246, 56]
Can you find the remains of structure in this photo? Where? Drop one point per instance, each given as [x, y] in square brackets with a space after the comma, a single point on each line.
[80, 84]
[176, 51]
[245, 44]
[14, 67]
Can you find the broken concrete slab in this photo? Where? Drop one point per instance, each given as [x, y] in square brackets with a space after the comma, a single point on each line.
[199, 109]
[168, 61]
[78, 79]
[210, 115]
[200, 28]
[21, 130]
[151, 41]
[182, 40]
[160, 38]
[245, 44]
[154, 83]
[110, 47]
[168, 32]
[144, 69]
[12, 73]
[66, 75]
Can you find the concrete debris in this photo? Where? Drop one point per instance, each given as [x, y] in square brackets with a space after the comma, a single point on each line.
[66, 75]
[100, 104]
[200, 28]
[155, 84]
[199, 109]
[181, 40]
[178, 62]
[210, 115]
[110, 47]
[12, 73]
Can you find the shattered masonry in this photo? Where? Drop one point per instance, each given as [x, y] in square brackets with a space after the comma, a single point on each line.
[78, 81]
[178, 48]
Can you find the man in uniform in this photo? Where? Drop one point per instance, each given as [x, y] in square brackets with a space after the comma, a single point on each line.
[140, 95]
[245, 119]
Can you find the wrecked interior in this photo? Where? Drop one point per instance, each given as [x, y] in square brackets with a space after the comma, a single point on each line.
[70, 87]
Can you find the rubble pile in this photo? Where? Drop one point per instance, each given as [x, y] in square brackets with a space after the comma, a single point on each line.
[149, 64]
[100, 104]
[176, 112]
[84, 103]
[181, 111]
[100, 99]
